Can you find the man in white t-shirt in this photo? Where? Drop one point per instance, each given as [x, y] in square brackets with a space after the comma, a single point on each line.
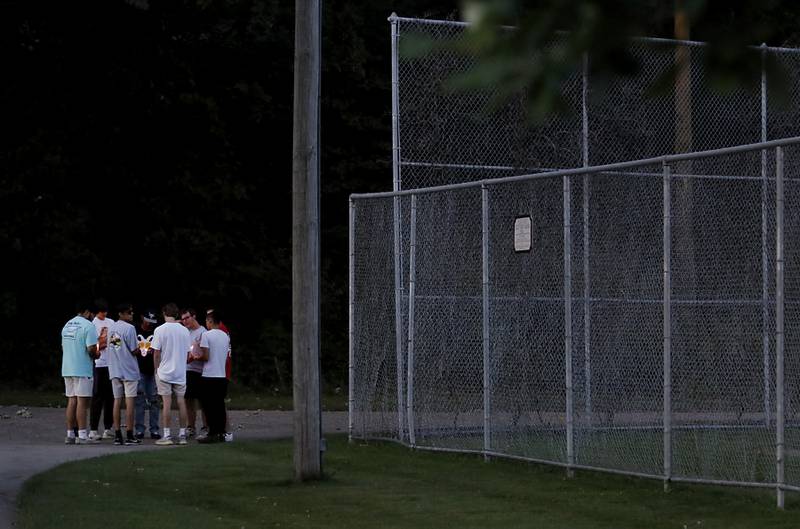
[123, 346]
[194, 368]
[171, 345]
[215, 346]
[102, 393]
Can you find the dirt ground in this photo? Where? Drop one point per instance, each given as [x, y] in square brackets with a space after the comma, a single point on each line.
[32, 441]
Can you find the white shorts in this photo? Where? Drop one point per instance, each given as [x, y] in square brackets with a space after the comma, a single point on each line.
[78, 386]
[166, 389]
[128, 388]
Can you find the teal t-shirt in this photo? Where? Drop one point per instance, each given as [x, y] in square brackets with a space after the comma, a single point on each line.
[78, 334]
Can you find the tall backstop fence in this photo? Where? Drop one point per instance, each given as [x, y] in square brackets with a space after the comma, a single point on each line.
[444, 136]
[641, 317]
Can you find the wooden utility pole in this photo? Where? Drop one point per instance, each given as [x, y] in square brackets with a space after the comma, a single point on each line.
[305, 242]
[684, 142]
[683, 82]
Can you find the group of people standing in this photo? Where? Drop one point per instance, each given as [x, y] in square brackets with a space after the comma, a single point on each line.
[106, 362]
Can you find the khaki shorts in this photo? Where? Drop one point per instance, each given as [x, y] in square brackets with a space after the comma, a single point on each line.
[78, 386]
[166, 389]
[127, 388]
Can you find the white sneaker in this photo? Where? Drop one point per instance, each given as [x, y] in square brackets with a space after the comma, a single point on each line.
[182, 440]
[87, 441]
[229, 437]
[165, 441]
[94, 436]
[108, 434]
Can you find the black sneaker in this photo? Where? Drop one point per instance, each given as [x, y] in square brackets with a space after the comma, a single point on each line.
[212, 438]
[140, 436]
[118, 441]
[155, 436]
[133, 441]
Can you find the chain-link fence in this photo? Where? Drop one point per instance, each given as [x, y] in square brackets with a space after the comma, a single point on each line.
[444, 136]
[627, 317]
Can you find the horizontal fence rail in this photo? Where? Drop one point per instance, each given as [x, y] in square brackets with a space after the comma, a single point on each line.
[618, 167]
[640, 318]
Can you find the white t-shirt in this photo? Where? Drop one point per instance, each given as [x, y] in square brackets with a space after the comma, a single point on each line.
[172, 339]
[102, 339]
[219, 344]
[195, 335]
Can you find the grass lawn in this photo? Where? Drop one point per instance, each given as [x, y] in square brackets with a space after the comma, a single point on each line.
[744, 454]
[248, 485]
[240, 398]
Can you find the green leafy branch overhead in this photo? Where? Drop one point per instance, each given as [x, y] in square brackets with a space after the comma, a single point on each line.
[534, 47]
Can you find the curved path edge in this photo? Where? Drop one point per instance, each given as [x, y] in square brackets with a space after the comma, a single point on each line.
[31, 442]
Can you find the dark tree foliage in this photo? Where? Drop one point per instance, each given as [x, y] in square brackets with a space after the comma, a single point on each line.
[146, 156]
[525, 59]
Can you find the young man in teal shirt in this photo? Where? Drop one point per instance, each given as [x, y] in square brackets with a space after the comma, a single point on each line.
[79, 348]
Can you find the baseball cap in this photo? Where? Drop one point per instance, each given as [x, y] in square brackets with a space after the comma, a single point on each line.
[149, 316]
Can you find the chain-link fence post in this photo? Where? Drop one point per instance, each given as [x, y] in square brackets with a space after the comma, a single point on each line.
[587, 314]
[779, 337]
[395, 103]
[764, 251]
[398, 289]
[568, 325]
[412, 279]
[667, 326]
[487, 366]
[398, 318]
[351, 308]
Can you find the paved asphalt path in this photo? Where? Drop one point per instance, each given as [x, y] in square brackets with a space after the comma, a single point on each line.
[32, 444]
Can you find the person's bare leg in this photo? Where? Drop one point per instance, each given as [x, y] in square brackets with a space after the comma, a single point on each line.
[117, 408]
[182, 415]
[72, 406]
[166, 409]
[130, 405]
[80, 411]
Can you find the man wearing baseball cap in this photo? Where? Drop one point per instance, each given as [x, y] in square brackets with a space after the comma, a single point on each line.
[147, 396]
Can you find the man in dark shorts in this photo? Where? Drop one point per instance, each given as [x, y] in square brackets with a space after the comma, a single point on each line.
[102, 394]
[194, 368]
